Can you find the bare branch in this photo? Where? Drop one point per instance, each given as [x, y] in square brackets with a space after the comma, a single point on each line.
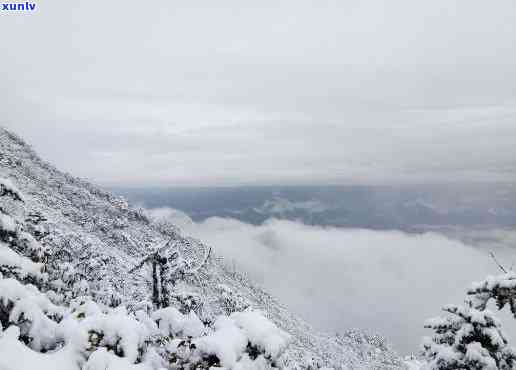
[497, 263]
[151, 256]
[205, 260]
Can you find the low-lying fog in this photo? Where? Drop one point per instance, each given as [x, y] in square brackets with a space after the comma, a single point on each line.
[387, 282]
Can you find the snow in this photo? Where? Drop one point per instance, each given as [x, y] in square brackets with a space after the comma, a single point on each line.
[172, 322]
[228, 342]
[14, 355]
[90, 336]
[7, 186]
[507, 280]
[192, 325]
[43, 331]
[475, 353]
[32, 311]
[82, 307]
[262, 332]
[93, 241]
[7, 223]
[467, 338]
[118, 331]
[101, 359]
[414, 364]
[232, 335]
[14, 291]
[246, 363]
[32, 244]
[26, 267]
[501, 288]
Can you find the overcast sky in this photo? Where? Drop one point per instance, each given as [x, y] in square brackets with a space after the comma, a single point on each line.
[193, 93]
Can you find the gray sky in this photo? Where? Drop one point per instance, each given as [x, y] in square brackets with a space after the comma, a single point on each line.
[189, 93]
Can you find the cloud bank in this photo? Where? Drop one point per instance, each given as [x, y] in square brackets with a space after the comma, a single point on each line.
[194, 93]
[388, 282]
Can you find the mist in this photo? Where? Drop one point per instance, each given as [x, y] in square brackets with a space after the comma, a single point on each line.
[387, 282]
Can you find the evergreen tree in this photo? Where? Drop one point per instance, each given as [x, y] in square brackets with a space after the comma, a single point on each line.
[468, 338]
[501, 289]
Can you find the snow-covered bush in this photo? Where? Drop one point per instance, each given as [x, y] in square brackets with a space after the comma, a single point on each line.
[7, 188]
[245, 340]
[35, 225]
[32, 311]
[21, 255]
[262, 334]
[231, 300]
[50, 317]
[14, 355]
[172, 323]
[118, 332]
[14, 265]
[8, 228]
[32, 247]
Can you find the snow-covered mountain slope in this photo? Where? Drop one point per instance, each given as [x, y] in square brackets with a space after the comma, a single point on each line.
[104, 238]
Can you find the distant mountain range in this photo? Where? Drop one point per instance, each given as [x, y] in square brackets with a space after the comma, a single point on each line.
[80, 244]
[407, 208]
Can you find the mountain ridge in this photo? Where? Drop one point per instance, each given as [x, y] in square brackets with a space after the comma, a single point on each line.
[103, 236]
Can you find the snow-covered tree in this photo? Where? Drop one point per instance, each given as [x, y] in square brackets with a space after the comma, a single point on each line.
[467, 338]
[168, 266]
[501, 289]
[51, 319]
[470, 337]
[91, 240]
[231, 300]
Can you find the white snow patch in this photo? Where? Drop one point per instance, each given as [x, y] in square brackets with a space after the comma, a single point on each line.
[172, 322]
[14, 355]
[262, 332]
[10, 258]
[7, 185]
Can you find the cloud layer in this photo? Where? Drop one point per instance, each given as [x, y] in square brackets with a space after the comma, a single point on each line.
[195, 94]
[386, 282]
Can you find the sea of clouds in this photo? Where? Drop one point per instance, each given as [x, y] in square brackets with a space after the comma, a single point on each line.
[386, 282]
